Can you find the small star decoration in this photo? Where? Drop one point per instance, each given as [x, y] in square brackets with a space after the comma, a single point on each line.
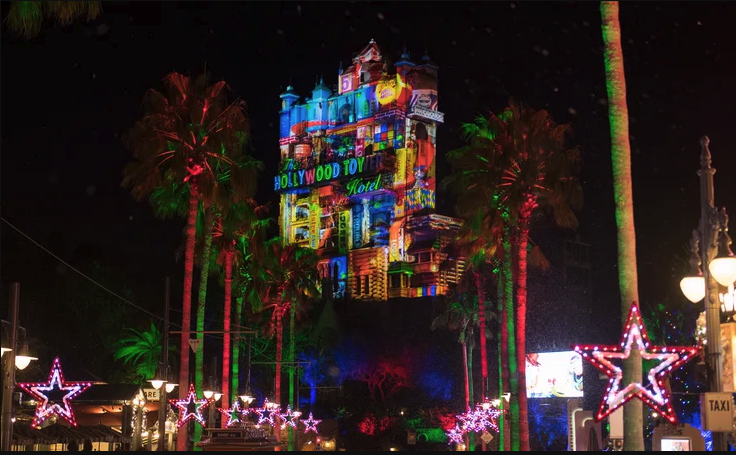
[310, 424]
[266, 414]
[234, 414]
[657, 398]
[48, 407]
[190, 407]
[455, 435]
[290, 418]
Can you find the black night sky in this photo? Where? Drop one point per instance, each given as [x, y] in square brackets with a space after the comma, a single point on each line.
[69, 94]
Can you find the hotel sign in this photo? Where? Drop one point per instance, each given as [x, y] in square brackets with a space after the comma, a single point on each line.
[292, 177]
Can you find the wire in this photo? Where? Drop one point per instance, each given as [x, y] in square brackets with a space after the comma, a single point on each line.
[80, 273]
[101, 286]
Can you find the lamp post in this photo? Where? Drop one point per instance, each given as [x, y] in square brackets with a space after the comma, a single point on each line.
[718, 266]
[16, 358]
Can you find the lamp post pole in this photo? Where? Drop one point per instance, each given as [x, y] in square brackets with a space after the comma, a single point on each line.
[163, 403]
[9, 373]
[708, 239]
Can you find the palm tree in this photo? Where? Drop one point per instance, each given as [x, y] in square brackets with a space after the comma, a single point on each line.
[288, 276]
[518, 162]
[618, 115]
[462, 315]
[183, 137]
[142, 349]
[25, 18]
[249, 252]
[236, 219]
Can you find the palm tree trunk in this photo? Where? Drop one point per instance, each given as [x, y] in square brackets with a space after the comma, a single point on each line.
[235, 377]
[186, 308]
[471, 437]
[279, 346]
[523, 242]
[292, 359]
[509, 327]
[226, 329]
[201, 304]
[465, 370]
[480, 284]
[503, 361]
[618, 114]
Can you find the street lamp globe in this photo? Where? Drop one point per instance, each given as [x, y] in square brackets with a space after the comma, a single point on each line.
[693, 287]
[22, 361]
[157, 383]
[170, 386]
[723, 269]
[208, 393]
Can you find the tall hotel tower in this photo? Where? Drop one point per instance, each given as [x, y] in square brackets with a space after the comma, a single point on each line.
[357, 180]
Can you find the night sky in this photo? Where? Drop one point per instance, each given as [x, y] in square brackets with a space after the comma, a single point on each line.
[70, 93]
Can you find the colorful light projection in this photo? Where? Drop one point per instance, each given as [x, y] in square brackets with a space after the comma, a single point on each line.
[47, 392]
[293, 177]
[389, 89]
[616, 396]
[372, 144]
[190, 407]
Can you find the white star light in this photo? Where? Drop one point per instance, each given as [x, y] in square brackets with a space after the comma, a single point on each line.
[656, 398]
[46, 408]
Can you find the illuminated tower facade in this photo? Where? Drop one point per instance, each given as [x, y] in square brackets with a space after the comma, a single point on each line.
[357, 180]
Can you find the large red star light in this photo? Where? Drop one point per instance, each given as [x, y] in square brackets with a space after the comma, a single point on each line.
[657, 398]
[190, 407]
[49, 407]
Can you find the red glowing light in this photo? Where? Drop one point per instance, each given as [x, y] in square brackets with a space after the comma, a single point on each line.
[47, 408]
[658, 398]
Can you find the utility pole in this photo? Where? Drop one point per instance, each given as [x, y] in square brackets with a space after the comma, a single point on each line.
[708, 239]
[163, 404]
[9, 370]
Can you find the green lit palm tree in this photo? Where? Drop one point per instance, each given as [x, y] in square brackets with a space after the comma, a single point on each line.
[618, 114]
[514, 164]
[250, 249]
[25, 18]
[183, 137]
[142, 349]
[287, 278]
[462, 315]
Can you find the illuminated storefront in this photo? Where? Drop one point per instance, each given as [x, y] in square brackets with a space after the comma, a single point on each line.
[357, 180]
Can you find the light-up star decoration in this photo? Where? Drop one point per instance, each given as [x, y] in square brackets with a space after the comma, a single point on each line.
[234, 414]
[310, 424]
[479, 419]
[266, 414]
[190, 407]
[47, 393]
[455, 435]
[657, 398]
[290, 418]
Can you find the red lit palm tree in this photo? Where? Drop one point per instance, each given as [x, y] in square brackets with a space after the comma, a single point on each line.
[184, 135]
[236, 220]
